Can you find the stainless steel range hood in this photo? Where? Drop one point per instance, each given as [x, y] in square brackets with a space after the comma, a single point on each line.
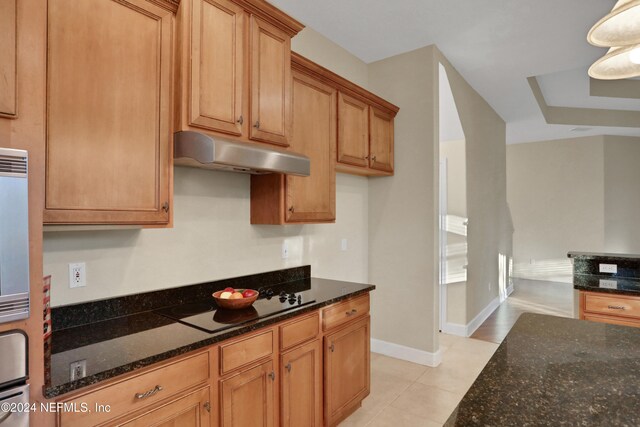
[200, 150]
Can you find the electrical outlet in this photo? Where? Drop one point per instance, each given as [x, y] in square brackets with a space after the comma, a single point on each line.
[343, 245]
[285, 250]
[77, 275]
[609, 284]
[78, 369]
[609, 268]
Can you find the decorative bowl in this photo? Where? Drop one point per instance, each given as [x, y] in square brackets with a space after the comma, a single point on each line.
[234, 304]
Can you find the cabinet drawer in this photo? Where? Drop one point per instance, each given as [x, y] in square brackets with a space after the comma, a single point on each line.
[615, 305]
[125, 396]
[297, 332]
[613, 320]
[345, 311]
[245, 351]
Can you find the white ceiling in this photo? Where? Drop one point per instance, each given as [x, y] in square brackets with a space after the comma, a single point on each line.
[494, 44]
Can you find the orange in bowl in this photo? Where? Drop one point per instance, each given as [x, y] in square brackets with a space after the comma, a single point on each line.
[235, 301]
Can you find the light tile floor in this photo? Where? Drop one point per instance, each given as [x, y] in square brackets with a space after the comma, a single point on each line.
[411, 395]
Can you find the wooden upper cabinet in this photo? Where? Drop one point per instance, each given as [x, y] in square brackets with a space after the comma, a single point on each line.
[217, 66]
[380, 140]
[313, 198]
[279, 199]
[235, 69]
[270, 83]
[109, 71]
[353, 131]
[8, 38]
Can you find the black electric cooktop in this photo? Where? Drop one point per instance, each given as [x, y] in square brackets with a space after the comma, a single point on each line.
[208, 317]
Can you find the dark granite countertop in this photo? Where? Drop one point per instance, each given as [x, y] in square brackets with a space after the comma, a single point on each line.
[553, 371]
[123, 344]
[602, 255]
[607, 284]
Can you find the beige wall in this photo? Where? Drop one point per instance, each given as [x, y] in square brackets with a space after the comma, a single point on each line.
[403, 208]
[579, 194]
[622, 194]
[489, 229]
[212, 238]
[555, 191]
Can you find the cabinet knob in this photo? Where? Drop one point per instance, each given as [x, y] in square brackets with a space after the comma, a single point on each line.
[257, 124]
[272, 375]
[241, 120]
[351, 313]
[373, 158]
[207, 406]
[291, 209]
[332, 347]
[366, 157]
[288, 367]
[165, 207]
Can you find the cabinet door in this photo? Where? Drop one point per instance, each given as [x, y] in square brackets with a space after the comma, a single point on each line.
[217, 66]
[353, 131]
[313, 198]
[108, 154]
[346, 369]
[192, 410]
[247, 399]
[380, 140]
[270, 83]
[301, 399]
[8, 26]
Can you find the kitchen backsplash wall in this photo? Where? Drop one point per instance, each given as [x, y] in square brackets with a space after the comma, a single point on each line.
[212, 237]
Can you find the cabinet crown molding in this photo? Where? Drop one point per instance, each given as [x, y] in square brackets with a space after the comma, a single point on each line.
[267, 12]
[170, 5]
[304, 65]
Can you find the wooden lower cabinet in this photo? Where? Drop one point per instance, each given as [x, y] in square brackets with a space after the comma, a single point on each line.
[248, 398]
[610, 308]
[301, 386]
[304, 372]
[346, 370]
[192, 410]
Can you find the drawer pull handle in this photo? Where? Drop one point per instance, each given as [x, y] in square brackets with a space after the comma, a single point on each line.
[149, 393]
[351, 313]
[616, 307]
[272, 375]
[288, 367]
[332, 347]
[240, 120]
[207, 406]
[257, 124]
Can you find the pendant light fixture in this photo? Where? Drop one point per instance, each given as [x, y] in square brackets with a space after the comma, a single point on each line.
[619, 30]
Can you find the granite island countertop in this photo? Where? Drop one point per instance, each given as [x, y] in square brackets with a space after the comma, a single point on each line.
[552, 371]
[123, 344]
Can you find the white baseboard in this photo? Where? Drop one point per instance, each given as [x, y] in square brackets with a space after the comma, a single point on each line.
[510, 289]
[482, 316]
[468, 329]
[455, 329]
[409, 354]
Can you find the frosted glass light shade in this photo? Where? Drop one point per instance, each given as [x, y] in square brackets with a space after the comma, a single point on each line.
[616, 64]
[621, 27]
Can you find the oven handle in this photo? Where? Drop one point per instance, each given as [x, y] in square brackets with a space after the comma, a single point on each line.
[19, 395]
